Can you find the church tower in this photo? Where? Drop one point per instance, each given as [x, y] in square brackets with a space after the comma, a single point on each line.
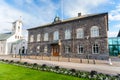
[17, 29]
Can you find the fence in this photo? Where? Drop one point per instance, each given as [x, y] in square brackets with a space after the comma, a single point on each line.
[63, 59]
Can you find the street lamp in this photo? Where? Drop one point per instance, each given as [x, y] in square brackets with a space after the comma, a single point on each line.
[60, 48]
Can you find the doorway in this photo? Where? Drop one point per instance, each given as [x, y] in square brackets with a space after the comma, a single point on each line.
[55, 50]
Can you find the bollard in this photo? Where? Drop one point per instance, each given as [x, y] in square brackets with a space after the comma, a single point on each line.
[80, 60]
[94, 61]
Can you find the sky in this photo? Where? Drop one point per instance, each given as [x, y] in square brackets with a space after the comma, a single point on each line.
[39, 12]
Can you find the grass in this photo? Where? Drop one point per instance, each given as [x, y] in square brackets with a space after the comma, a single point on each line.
[12, 72]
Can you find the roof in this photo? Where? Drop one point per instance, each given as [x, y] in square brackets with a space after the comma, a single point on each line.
[5, 36]
[18, 41]
[118, 34]
[70, 19]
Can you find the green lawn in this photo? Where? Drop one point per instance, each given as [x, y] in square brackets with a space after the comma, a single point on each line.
[12, 72]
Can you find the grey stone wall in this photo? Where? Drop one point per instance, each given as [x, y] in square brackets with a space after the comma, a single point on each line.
[86, 24]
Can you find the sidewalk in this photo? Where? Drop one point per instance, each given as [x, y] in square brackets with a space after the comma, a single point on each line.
[101, 68]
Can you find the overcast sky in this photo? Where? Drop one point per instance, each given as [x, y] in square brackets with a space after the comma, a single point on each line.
[38, 12]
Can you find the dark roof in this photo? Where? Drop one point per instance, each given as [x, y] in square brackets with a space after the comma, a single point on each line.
[5, 36]
[118, 34]
[68, 20]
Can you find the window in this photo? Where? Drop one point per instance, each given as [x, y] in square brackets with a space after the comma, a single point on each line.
[56, 35]
[67, 49]
[38, 37]
[95, 49]
[38, 49]
[45, 49]
[31, 38]
[80, 33]
[46, 37]
[94, 31]
[80, 49]
[67, 34]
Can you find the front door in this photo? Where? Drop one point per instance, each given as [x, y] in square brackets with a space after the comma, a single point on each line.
[55, 50]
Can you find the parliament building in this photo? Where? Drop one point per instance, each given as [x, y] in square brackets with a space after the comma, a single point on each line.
[82, 36]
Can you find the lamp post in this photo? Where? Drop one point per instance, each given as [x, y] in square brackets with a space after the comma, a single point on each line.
[60, 48]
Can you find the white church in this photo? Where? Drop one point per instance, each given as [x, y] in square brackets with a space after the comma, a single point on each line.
[13, 42]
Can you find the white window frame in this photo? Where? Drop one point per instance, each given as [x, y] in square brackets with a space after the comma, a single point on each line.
[38, 49]
[94, 31]
[80, 33]
[56, 35]
[46, 37]
[38, 37]
[67, 49]
[31, 38]
[95, 49]
[67, 34]
[45, 49]
[80, 49]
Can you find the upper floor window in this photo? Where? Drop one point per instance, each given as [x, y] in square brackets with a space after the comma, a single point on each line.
[95, 49]
[94, 31]
[38, 37]
[46, 37]
[80, 49]
[31, 38]
[67, 34]
[56, 35]
[80, 33]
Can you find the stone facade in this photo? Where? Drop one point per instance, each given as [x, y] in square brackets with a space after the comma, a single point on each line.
[85, 22]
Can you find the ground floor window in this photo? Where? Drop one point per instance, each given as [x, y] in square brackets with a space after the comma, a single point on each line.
[38, 49]
[80, 49]
[95, 49]
[67, 49]
[45, 49]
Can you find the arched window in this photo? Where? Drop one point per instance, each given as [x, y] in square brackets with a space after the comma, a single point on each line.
[31, 38]
[67, 34]
[80, 49]
[46, 37]
[80, 33]
[38, 37]
[95, 49]
[56, 35]
[94, 31]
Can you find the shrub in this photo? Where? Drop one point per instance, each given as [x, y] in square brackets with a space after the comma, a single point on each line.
[25, 63]
[6, 60]
[18, 62]
[73, 70]
[2, 60]
[44, 66]
[56, 67]
[92, 73]
[11, 61]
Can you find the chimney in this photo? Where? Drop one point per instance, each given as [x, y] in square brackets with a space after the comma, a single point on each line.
[79, 14]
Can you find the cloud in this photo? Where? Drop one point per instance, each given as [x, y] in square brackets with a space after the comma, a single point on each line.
[32, 15]
[112, 34]
[72, 7]
[114, 14]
